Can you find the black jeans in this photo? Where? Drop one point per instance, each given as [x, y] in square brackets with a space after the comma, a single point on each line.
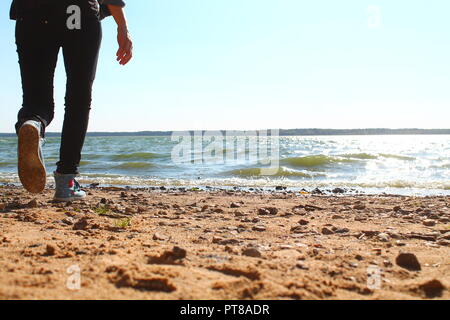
[39, 38]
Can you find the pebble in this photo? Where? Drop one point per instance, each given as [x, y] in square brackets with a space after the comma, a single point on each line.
[301, 265]
[68, 220]
[80, 224]
[303, 222]
[235, 205]
[251, 252]
[359, 206]
[359, 257]
[432, 288]
[263, 212]
[444, 243]
[50, 250]
[429, 223]
[259, 228]
[445, 236]
[32, 204]
[384, 237]
[326, 231]
[408, 261]
[129, 210]
[338, 190]
[157, 236]
[336, 216]
[341, 230]
[2, 206]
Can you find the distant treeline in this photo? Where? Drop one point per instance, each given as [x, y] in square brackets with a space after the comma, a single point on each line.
[283, 132]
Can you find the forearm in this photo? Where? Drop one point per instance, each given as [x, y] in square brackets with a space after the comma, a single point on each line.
[118, 14]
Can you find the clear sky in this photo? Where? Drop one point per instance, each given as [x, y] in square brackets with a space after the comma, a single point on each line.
[249, 64]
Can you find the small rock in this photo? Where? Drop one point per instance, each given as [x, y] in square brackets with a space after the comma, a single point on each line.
[50, 250]
[338, 190]
[2, 206]
[445, 236]
[217, 239]
[359, 206]
[326, 231]
[81, 224]
[387, 263]
[408, 261]
[341, 230]
[259, 228]
[32, 204]
[432, 288]
[251, 252]
[263, 212]
[222, 241]
[235, 205]
[240, 214]
[301, 265]
[443, 242]
[68, 220]
[429, 222]
[159, 237]
[303, 222]
[129, 210]
[384, 237]
[336, 216]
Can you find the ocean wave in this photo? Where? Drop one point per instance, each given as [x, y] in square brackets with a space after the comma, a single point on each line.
[134, 165]
[315, 161]
[8, 163]
[396, 156]
[282, 172]
[137, 156]
[362, 156]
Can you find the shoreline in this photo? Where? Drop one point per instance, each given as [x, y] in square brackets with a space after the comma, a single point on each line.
[222, 244]
[325, 191]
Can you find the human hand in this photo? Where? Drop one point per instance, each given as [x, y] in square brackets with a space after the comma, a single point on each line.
[125, 52]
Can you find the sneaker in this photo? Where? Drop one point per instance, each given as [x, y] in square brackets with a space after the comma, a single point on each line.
[31, 164]
[67, 188]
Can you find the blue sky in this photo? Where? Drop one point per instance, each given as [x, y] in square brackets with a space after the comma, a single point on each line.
[250, 64]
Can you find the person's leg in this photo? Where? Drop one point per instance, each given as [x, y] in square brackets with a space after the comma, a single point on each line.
[37, 48]
[80, 50]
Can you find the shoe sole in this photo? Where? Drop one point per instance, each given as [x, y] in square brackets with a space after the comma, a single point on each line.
[32, 172]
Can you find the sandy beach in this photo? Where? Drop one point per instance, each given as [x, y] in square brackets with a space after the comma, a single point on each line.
[224, 244]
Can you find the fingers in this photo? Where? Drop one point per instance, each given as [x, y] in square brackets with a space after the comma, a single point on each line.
[125, 53]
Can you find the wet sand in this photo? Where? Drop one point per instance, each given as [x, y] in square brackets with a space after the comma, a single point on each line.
[172, 244]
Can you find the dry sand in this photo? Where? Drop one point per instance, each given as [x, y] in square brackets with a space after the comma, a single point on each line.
[164, 244]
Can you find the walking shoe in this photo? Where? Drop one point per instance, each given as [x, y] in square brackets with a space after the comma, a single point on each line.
[67, 188]
[31, 164]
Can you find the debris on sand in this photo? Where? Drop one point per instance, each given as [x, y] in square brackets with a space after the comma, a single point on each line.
[174, 256]
[408, 261]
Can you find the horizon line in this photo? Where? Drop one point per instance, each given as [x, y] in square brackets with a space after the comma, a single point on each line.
[297, 131]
